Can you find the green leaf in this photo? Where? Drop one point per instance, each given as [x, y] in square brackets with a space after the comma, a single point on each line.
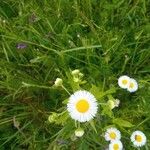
[122, 123]
[110, 91]
[75, 86]
[65, 101]
[107, 111]
[96, 92]
[62, 118]
[93, 125]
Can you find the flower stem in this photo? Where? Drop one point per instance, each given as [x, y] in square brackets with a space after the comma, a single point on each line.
[66, 90]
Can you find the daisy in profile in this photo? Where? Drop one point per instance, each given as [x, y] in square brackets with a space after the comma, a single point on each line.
[82, 106]
[138, 138]
[132, 86]
[123, 81]
[115, 145]
[112, 134]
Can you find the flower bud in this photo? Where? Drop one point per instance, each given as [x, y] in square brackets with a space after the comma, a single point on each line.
[58, 82]
[79, 132]
[81, 75]
[52, 117]
[76, 79]
[111, 104]
[117, 102]
[75, 72]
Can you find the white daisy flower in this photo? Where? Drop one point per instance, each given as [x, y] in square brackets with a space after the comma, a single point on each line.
[138, 138]
[79, 132]
[116, 145]
[82, 106]
[123, 81]
[112, 134]
[133, 85]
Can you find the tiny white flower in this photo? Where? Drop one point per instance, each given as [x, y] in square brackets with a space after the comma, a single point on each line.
[133, 85]
[112, 134]
[58, 82]
[138, 138]
[82, 106]
[123, 81]
[79, 132]
[116, 145]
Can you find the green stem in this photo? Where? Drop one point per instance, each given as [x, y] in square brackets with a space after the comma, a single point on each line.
[78, 124]
[66, 90]
[24, 84]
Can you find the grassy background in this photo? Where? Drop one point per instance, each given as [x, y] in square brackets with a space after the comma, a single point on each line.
[105, 39]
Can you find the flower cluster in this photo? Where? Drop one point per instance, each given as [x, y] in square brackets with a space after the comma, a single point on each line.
[128, 83]
[77, 75]
[113, 135]
[82, 106]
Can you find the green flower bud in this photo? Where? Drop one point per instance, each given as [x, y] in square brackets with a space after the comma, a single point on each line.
[75, 72]
[111, 104]
[79, 132]
[117, 102]
[76, 79]
[52, 118]
[58, 82]
[81, 75]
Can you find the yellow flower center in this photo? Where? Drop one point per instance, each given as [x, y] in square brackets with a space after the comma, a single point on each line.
[116, 147]
[138, 138]
[124, 82]
[131, 85]
[82, 106]
[112, 135]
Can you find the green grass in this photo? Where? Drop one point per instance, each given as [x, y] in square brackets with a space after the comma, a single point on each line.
[104, 39]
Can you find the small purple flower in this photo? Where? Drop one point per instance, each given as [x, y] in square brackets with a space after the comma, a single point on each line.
[21, 46]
